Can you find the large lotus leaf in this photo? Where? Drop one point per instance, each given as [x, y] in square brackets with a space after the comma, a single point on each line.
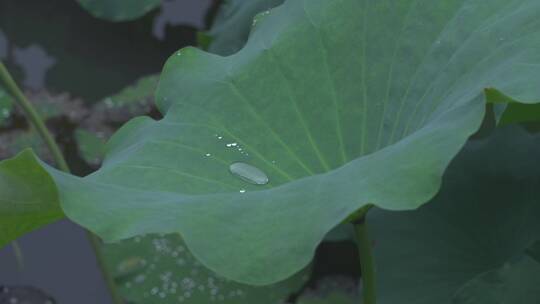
[516, 283]
[340, 103]
[29, 199]
[119, 10]
[233, 22]
[485, 215]
[160, 269]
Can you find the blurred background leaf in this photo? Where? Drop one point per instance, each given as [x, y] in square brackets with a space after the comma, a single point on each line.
[465, 242]
[119, 10]
[160, 269]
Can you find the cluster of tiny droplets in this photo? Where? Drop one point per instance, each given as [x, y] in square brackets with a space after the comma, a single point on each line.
[233, 145]
[195, 281]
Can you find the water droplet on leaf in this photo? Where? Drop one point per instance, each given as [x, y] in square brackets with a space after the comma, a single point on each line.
[249, 173]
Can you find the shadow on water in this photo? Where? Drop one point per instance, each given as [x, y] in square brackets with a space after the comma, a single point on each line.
[88, 57]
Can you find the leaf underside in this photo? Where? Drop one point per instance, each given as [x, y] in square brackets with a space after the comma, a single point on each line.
[340, 103]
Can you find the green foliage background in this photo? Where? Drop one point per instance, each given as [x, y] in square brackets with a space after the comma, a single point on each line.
[343, 104]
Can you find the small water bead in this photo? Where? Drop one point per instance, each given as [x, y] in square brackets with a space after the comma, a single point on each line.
[230, 145]
[242, 191]
[259, 17]
[249, 173]
[140, 278]
[208, 155]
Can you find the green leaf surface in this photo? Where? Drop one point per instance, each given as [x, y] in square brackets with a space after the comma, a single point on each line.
[516, 283]
[340, 103]
[90, 145]
[231, 27]
[519, 113]
[160, 269]
[485, 215]
[119, 10]
[534, 251]
[29, 199]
